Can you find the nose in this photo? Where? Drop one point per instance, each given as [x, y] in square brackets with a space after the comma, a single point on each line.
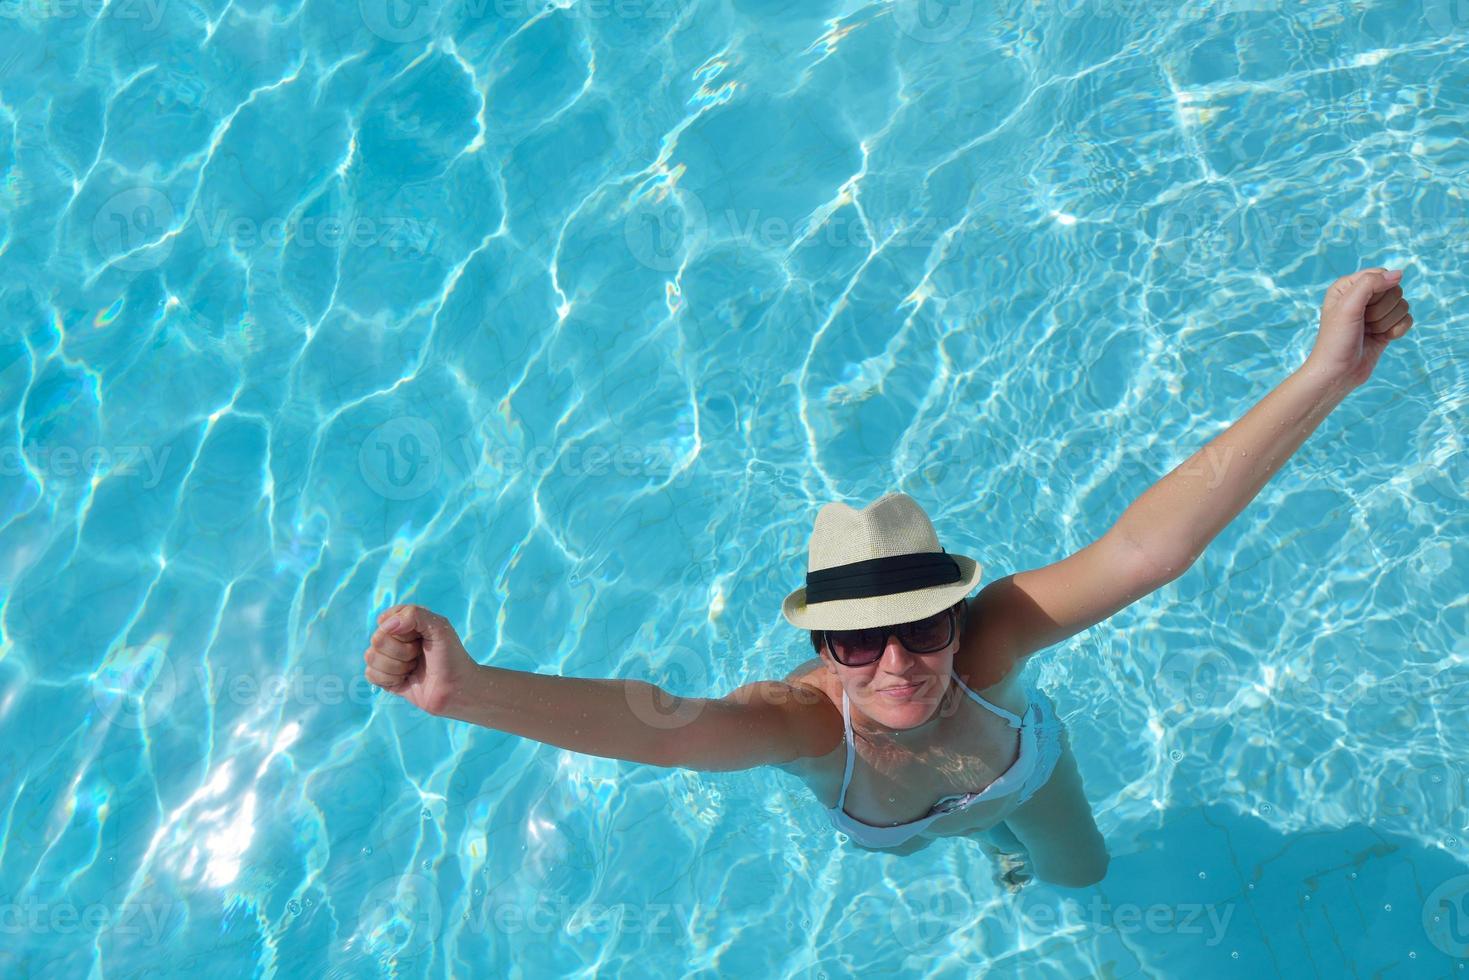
[895, 656]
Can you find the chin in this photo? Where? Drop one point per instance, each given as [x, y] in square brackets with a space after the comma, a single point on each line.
[909, 712]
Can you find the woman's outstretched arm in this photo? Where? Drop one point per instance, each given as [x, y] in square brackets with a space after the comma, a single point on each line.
[1174, 521]
[417, 655]
[1168, 527]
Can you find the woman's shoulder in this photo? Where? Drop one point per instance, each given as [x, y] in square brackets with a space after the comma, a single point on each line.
[813, 674]
[814, 679]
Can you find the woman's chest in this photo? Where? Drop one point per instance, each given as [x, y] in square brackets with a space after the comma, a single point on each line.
[895, 783]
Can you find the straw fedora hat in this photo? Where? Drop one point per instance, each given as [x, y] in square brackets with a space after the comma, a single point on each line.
[875, 567]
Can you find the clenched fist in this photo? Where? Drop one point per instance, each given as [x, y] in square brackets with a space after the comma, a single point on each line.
[417, 655]
[1362, 314]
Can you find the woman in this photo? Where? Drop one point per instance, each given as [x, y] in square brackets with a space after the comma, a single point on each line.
[912, 722]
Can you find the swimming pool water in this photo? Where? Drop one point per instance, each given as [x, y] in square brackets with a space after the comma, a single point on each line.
[563, 319]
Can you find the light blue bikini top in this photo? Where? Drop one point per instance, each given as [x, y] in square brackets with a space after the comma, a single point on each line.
[1006, 783]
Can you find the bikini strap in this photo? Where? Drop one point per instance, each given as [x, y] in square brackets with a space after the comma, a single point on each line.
[847, 724]
[1010, 716]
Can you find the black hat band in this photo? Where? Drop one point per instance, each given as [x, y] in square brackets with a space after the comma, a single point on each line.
[881, 576]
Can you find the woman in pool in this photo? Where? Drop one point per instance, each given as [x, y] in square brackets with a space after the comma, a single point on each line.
[912, 723]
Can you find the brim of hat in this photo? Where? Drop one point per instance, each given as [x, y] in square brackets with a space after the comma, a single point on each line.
[880, 610]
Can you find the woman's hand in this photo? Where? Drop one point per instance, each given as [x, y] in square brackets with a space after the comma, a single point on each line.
[417, 655]
[1362, 314]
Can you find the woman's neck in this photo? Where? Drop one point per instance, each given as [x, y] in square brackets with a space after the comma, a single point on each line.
[918, 736]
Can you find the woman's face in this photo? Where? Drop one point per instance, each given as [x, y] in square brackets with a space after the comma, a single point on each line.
[900, 689]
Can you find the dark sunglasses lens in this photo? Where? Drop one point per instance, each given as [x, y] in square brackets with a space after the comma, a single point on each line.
[855, 648]
[927, 635]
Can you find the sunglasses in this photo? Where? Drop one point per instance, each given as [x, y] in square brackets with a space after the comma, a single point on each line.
[858, 648]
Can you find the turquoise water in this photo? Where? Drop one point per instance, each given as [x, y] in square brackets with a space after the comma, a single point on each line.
[563, 320]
